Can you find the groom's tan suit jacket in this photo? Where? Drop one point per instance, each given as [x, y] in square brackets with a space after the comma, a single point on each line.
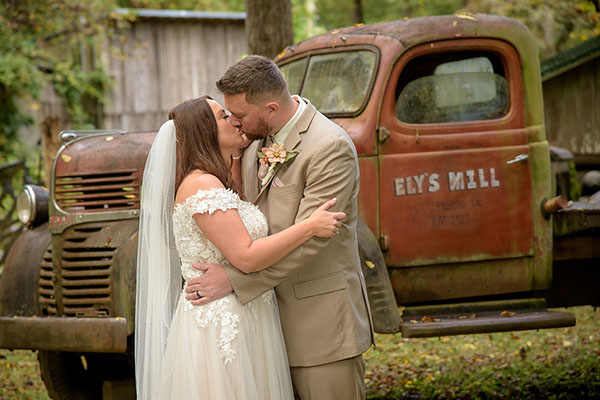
[320, 288]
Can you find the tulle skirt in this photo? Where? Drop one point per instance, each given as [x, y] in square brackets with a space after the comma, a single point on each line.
[225, 350]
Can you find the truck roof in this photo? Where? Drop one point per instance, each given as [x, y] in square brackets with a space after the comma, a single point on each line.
[395, 37]
[411, 32]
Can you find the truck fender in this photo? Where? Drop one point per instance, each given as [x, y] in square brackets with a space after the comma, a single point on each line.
[19, 284]
[384, 310]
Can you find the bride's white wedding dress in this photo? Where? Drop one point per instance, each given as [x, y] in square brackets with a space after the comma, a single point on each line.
[222, 350]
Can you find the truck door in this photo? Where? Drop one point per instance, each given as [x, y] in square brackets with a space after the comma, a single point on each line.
[455, 176]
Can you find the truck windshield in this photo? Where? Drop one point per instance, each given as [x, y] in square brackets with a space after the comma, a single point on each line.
[460, 90]
[336, 83]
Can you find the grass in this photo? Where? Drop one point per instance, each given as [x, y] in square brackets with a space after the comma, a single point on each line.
[559, 363]
[20, 376]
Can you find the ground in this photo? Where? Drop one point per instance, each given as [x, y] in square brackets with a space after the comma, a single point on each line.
[561, 363]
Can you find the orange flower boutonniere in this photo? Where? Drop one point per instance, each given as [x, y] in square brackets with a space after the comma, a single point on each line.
[275, 156]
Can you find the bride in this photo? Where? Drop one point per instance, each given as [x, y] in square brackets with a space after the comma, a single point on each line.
[192, 210]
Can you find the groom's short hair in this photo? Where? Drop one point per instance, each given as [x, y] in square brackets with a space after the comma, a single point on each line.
[256, 76]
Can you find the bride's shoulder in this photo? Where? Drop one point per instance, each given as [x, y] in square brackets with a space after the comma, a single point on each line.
[196, 182]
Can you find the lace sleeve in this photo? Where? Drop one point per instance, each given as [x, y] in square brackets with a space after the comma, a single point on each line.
[211, 200]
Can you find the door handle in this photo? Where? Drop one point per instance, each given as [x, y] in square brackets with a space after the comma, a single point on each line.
[518, 158]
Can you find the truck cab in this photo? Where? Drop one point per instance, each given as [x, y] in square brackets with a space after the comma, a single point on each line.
[447, 117]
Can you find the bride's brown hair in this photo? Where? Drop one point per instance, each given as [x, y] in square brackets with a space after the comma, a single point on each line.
[197, 143]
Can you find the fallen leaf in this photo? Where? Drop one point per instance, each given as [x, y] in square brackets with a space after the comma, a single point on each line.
[466, 15]
[507, 313]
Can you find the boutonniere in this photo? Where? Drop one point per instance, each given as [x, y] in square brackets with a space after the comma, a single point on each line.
[274, 157]
[276, 154]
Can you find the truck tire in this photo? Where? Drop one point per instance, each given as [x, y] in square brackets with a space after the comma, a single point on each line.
[66, 377]
[384, 310]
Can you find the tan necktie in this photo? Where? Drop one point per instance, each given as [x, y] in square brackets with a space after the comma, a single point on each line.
[263, 168]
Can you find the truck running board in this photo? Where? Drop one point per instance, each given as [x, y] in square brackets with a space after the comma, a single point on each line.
[482, 317]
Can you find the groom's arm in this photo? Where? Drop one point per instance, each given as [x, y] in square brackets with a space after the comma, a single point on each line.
[332, 172]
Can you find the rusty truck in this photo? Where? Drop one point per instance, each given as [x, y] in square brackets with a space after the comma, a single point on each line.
[462, 227]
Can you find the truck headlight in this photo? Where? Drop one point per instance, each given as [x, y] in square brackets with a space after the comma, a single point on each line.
[32, 206]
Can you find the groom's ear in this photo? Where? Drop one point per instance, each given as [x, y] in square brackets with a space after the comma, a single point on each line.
[272, 107]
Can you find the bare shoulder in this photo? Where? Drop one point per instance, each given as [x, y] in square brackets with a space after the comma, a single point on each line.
[197, 180]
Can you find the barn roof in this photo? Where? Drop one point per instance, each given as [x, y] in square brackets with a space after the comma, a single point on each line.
[143, 13]
[572, 58]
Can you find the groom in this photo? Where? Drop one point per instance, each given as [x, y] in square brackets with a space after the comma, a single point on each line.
[320, 288]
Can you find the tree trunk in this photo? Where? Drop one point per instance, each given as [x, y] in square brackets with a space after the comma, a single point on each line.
[50, 143]
[268, 26]
[357, 12]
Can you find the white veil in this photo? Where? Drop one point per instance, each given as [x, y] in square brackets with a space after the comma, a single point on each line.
[158, 270]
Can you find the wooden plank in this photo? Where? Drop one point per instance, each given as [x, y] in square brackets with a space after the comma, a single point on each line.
[184, 73]
[143, 61]
[166, 63]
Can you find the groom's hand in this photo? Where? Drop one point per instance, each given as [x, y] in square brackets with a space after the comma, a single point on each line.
[213, 285]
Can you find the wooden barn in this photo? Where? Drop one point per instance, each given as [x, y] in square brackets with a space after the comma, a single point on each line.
[571, 86]
[169, 56]
[164, 58]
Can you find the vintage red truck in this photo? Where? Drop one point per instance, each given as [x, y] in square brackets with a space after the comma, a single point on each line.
[460, 224]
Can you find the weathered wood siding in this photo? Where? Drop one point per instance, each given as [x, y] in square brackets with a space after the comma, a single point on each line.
[165, 62]
[572, 109]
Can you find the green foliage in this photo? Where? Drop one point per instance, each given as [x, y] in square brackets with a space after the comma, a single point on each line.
[74, 85]
[337, 14]
[41, 43]
[557, 24]
[305, 19]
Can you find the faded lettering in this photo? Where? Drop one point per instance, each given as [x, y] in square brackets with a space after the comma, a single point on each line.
[399, 186]
[482, 182]
[456, 181]
[434, 185]
[495, 183]
[439, 221]
[471, 179]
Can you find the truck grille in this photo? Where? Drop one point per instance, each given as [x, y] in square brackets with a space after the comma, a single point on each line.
[46, 285]
[117, 190]
[86, 275]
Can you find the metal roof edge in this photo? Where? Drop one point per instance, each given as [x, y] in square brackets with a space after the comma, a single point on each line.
[181, 14]
[568, 59]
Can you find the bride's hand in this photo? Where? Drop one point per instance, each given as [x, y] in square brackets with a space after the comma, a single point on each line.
[325, 223]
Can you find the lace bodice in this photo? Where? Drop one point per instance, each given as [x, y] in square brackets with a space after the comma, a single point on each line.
[193, 246]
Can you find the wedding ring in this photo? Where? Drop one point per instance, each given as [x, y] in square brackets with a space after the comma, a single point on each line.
[198, 294]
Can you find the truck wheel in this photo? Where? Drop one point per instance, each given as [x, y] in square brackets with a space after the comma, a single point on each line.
[66, 377]
[384, 310]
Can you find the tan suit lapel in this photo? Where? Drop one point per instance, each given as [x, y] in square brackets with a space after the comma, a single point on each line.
[292, 141]
[250, 169]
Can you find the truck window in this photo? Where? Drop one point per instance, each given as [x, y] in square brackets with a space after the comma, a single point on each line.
[452, 87]
[336, 83]
[293, 73]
